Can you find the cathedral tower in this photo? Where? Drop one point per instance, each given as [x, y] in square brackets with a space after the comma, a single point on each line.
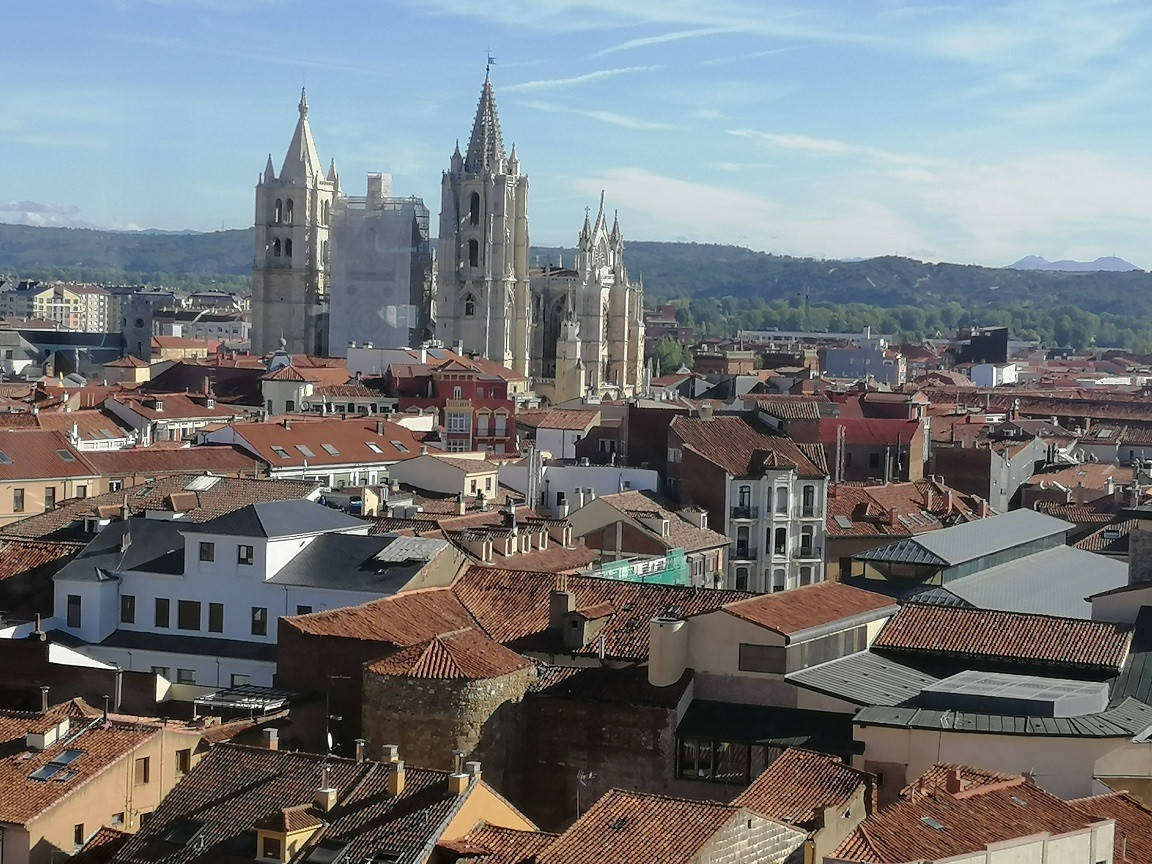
[290, 267]
[482, 294]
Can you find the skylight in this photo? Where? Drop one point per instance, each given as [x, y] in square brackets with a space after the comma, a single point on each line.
[932, 823]
[65, 455]
[281, 452]
[57, 768]
[399, 446]
[330, 450]
[5, 458]
[372, 446]
[305, 450]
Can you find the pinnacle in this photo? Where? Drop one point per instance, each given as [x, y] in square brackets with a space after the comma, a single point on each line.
[486, 146]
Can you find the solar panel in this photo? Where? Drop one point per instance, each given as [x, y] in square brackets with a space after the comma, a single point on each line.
[45, 772]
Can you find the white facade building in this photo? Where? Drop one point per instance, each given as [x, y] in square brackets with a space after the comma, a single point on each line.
[198, 602]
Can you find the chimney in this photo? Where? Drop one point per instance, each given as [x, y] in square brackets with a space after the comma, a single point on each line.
[395, 777]
[390, 753]
[461, 504]
[948, 503]
[325, 797]
[360, 742]
[271, 739]
[379, 427]
[287, 423]
[44, 698]
[1110, 485]
[38, 634]
[423, 354]
[953, 782]
[472, 769]
[893, 517]
[581, 500]
[983, 511]
[423, 449]
[560, 602]
[458, 346]
[510, 516]
[705, 411]
[928, 497]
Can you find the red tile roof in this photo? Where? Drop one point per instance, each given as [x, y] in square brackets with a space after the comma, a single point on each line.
[489, 844]
[215, 459]
[969, 821]
[739, 449]
[800, 784]
[876, 431]
[560, 418]
[1133, 843]
[939, 775]
[868, 509]
[18, 557]
[404, 619]
[350, 438]
[462, 654]
[1011, 636]
[39, 454]
[790, 612]
[681, 533]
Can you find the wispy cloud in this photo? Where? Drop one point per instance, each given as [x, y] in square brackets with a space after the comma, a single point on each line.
[754, 55]
[603, 116]
[645, 41]
[575, 80]
[829, 147]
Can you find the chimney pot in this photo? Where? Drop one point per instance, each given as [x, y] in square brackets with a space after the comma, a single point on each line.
[360, 742]
[287, 423]
[271, 739]
[472, 769]
[44, 698]
[391, 753]
[953, 782]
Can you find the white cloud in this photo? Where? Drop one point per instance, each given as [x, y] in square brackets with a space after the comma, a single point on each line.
[603, 116]
[660, 39]
[553, 83]
[828, 147]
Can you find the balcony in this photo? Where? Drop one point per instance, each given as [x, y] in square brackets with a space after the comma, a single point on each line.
[803, 553]
[745, 553]
[745, 512]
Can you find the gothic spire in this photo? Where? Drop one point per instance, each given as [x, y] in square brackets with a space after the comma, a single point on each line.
[600, 215]
[486, 146]
[615, 235]
[302, 161]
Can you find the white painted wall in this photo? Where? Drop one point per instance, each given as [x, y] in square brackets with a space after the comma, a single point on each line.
[602, 479]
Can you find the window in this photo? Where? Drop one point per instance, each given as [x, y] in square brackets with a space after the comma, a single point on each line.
[127, 609]
[488, 484]
[183, 760]
[49, 497]
[745, 497]
[457, 392]
[78, 834]
[779, 579]
[305, 450]
[474, 208]
[741, 578]
[163, 609]
[289, 405]
[373, 447]
[259, 621]
[469, 306]
[501, 427]
[117, 818]
[808, 504]
[215, 617]
[17, 500]
[782, 500]
[271, 847]
[457, 422]
[142, 770]
[472, 488]
[482, 424]
[244, 554]
[762, 658]
[780, 544]
[281, 452]
[806, 575]
[742, 550]
[288, 248]
[239, 680]
[162, 671]
[873, 461]
[278, 212]
[288, 213]
[207, 551]
[185, 676]
[715, 761]
[806, 541]
[115, 485]
[74, 610]
[188, 614]
[81, 491]
[276, 248]
[473, 253]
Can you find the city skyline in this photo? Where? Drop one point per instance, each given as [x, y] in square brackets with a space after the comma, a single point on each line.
[976, 135]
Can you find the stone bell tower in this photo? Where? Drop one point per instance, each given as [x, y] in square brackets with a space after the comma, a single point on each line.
[290, 265]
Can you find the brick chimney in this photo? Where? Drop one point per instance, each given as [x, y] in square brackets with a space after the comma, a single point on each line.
[953, 781]
[560, 602]
[271, 739]
[396, 779]
[893, 517]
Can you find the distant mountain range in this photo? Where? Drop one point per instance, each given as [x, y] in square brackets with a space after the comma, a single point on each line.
[1110, 263]
[668, 270]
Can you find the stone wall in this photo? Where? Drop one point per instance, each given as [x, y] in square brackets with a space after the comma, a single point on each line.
[753, 838]
[429, 718]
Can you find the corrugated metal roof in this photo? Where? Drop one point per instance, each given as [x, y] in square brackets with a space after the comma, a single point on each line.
[864, 678]
[1122, 721]
[952, 546]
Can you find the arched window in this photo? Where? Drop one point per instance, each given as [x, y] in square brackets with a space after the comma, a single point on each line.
[288, 211]
[288, 248]
[782, 500]
[276, 248]
[473, 253]
[780, 546]
[278, 212]
[324, 251]
[324, 212]
[778, 579]
[474, 208]
[809, 501]
[469, 306]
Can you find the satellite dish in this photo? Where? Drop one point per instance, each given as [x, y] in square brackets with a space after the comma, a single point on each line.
[306, 405]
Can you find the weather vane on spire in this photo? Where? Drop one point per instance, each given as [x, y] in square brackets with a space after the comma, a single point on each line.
[488, 65]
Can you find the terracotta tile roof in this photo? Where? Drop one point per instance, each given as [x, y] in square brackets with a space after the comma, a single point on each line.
[177, 406]
[1110, 539]
[350, 438]
[288, 819]
[800, 784]
[512, 605]
[791, 612]
[738, 448]
[937, 777]
[234, 787]
[681, 533]
[558, 418]
[1010, 636]
[100, 748]
[18, 557]
[876, 431]
[920, 506]
[1133, 843]
[285, 373]
[404, 619]
[1093, 475]
[970, 821]
[791, 408]
[1099, 512]
[222, 496]
[128, 362]
[215, 459]
[635, 828]
[91, 424]
[462, 654]
[40, 454]
[492, 845]
[101, 847]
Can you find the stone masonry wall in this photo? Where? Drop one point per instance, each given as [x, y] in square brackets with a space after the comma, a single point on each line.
[752, 838]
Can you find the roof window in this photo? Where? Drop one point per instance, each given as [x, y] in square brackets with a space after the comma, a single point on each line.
[65, 455]
[330, 450]
[306, 451]
[57, 768]
[399, 446]
[934, 824]
[372, 446]
[281, 452]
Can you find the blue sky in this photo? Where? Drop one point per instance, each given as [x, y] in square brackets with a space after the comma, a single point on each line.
[969, 132]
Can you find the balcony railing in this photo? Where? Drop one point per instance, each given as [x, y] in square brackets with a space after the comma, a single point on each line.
[745, 512]
[745, 553]
[803, 552]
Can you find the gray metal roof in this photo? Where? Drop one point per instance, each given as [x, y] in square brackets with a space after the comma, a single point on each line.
[864, 678]
[951, 546]
[156, 547]
[352, 562]
[1051, 582]
[208, 646]
[1124, 720]
[1136, 678]
[1033, 695]
[274, 519]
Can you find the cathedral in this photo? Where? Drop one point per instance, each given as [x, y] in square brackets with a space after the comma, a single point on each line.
[576, 332]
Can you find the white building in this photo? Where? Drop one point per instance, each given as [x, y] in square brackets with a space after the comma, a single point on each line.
[198, 602]
[994, 374]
